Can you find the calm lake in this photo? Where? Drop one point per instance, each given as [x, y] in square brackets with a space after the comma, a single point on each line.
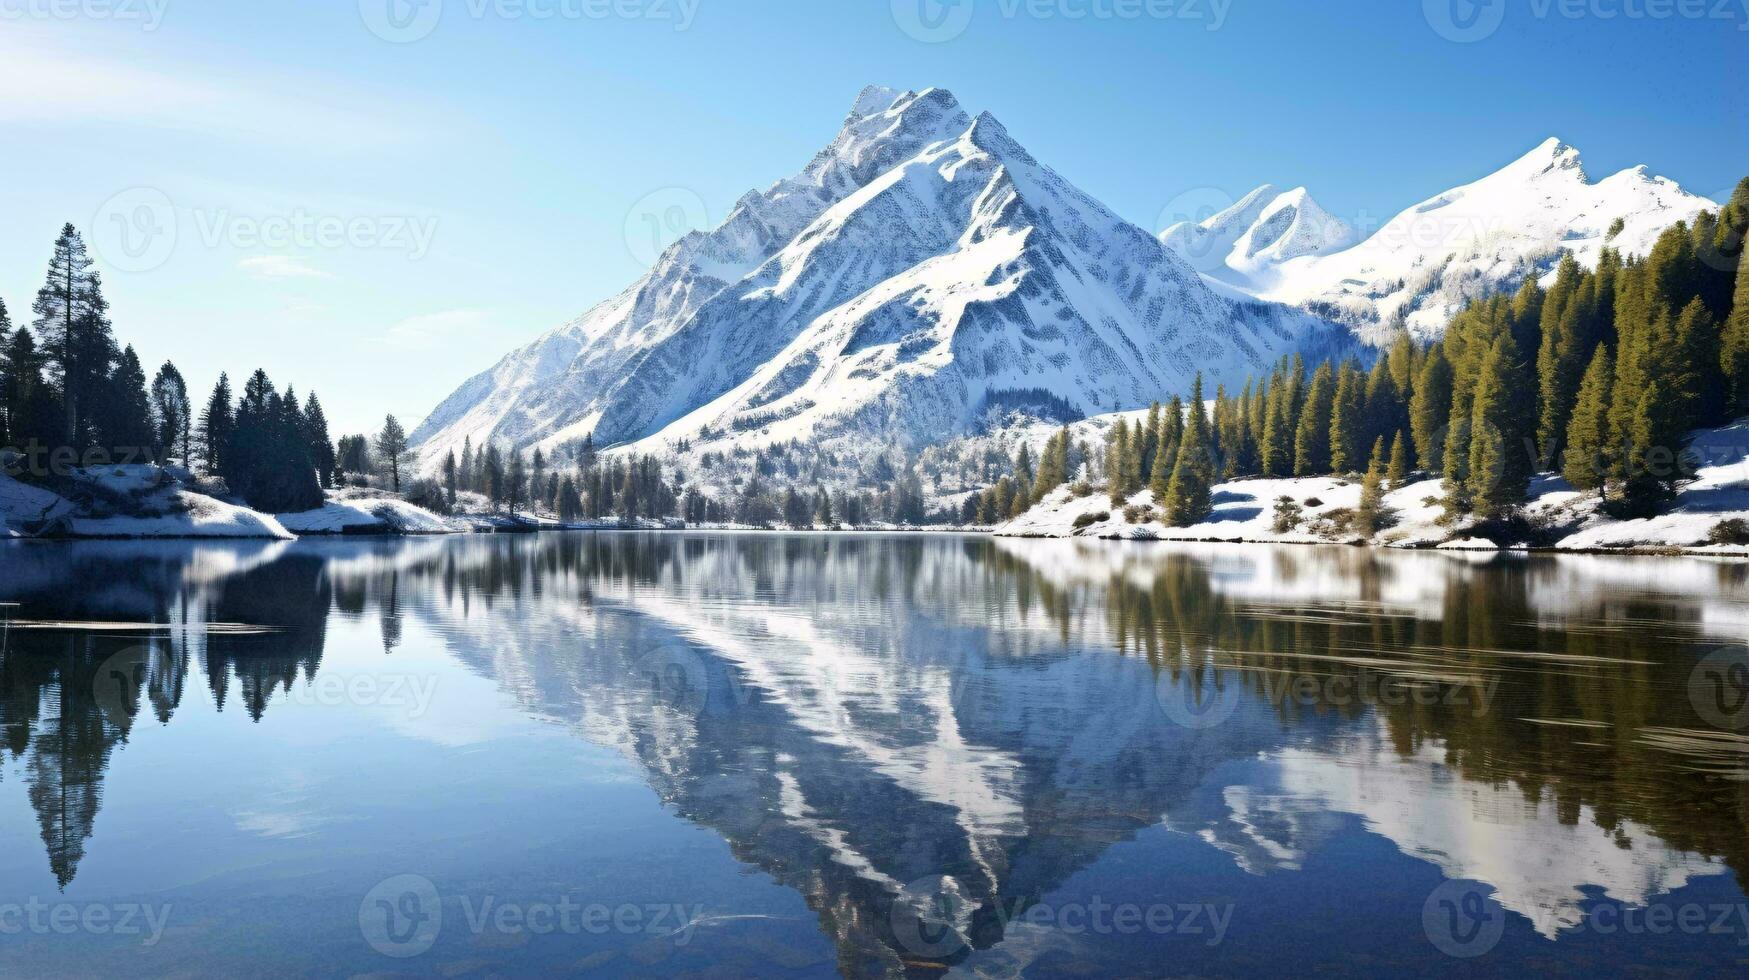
[816, 755]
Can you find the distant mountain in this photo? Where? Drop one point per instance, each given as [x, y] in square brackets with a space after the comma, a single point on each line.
[921, 270]
[1426, 263]
[1264, 229]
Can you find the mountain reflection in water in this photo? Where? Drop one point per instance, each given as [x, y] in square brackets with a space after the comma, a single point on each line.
[928, 737]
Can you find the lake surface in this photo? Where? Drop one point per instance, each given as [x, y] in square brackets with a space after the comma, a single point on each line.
[817, 755]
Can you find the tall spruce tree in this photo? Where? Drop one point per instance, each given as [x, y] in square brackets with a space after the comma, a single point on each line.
[1385, 410]
[1500, 465]
[172, 416]
[124, 411]
[1188, 494]
[1369, 516]
[1312, 442]
[396, 456]
[1586, 462]
[1429, 409]
[1347, 424]
[1398, 469]
[321, 445]
[1734, 341]
[217, 420]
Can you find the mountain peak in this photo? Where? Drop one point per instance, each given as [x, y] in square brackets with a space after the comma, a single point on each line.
[873, 100]
[1550, 156]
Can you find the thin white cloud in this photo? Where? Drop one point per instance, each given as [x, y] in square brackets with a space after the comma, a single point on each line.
[280, 267]
[430, 329]
[43, 82]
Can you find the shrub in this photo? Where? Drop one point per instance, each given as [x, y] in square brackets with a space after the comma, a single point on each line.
[1732, 530]
[1088, 520]
[1138, 513]
[1081, 488]
[1288, 515]
[1314, 502]
[429, 495]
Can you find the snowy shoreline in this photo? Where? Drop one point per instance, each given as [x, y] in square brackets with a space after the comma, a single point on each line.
[1245, 512]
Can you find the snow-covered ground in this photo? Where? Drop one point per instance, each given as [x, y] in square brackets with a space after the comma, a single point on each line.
[1245, 510]
[143, 501]
[359, 511]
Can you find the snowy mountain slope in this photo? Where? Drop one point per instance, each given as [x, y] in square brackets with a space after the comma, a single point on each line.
[1423, 265]
[1264, 228]
[924, 266]
[559, 381]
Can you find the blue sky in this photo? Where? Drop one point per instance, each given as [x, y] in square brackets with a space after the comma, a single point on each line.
[377, 202]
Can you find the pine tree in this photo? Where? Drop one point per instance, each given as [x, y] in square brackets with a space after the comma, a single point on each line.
[172, 416]
[796, 512]
[492, 467]
[1695, 369]
[515, 482]
[1499, 466]
[1123, 463]
[216, 423]
[1347, 426]
[1733, 225]
[1653, 451]
[1188, 494]
[394, 454]
[570, 503]
[1369, 517]
[73, 323]
[1385, 411]
[1587, 441]
[1312, 442]
[823, 508]
[1398, 470]
[449, 479]
[1429, 408]
[1734, 341]
[124, 411]
[321, 445]
[33, 413]
[1150, 445]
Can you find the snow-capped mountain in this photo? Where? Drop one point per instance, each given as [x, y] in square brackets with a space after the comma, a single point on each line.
[1426, 263]
[922, 268]
[1265, 228]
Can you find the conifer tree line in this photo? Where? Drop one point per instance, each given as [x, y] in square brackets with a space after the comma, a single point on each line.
[1601, 375]
[72, 397]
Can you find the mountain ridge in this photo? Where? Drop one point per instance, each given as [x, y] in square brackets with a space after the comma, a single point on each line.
[931, 264]
[1420, 267]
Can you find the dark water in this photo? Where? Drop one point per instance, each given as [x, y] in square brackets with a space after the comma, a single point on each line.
[774, 756]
